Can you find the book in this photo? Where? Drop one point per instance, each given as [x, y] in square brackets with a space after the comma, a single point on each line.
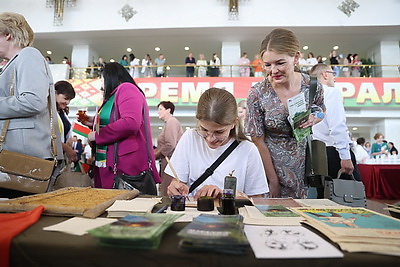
[217, 233]
[121, 208]
[269, 215]
[298, 114]
[355, 229]
[286, 202]
[142, 231]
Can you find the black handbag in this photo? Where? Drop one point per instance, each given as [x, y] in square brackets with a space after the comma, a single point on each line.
[144, 181]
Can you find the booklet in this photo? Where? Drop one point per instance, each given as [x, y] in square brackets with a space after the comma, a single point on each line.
[142, 231]
[298, 114]
[216, 233]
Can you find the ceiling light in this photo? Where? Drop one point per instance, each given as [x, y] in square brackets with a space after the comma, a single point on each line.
[324, 59]
[159, 127]
[187, 48]
[187, 128]
[49, 52]
[157, 49]
[112, 60]
[355, 128]
[129, 49]
[305, 47]
[336, 47]
[167, 67]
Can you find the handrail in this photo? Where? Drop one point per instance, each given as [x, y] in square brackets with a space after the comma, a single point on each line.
[233, 70]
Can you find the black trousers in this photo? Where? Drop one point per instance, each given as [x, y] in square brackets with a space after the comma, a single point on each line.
[334, 164]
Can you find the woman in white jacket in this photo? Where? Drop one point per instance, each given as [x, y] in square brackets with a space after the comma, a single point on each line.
[147, 71]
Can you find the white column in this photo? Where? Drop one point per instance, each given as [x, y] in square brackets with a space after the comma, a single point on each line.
[390, 132]
[386, 53]
[81, 58]
[230, 55]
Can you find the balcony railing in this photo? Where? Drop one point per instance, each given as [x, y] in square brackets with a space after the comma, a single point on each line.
[233, 71]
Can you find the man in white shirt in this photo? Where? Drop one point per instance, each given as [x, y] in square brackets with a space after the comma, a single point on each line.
[332, 130]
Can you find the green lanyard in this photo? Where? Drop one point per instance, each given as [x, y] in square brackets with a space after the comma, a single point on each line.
[104, 115]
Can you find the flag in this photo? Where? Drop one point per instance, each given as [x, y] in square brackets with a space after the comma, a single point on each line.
[80, 129]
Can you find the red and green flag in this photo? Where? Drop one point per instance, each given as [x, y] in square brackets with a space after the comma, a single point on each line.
[81, 129]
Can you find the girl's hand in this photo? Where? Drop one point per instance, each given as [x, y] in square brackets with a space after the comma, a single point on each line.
[177, 188]
[210, 191]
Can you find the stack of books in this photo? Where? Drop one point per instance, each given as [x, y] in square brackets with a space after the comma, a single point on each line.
[355, 229]
[394, 210]
[216, 233]
[142, 231]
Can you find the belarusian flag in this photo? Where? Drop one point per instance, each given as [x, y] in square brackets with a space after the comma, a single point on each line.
[80, 129]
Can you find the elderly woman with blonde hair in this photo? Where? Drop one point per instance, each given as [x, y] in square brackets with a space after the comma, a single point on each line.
[27, 72]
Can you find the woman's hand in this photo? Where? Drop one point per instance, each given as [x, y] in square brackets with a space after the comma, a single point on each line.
[274, 188]
[92, 136]
[310, 122]
[177, 188]
[85, 120]
[208, 190]
[70, 153]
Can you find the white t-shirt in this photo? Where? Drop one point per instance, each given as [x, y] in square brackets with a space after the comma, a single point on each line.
[192, 157]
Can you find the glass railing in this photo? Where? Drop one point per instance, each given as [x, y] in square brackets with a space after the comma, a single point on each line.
[233, 71]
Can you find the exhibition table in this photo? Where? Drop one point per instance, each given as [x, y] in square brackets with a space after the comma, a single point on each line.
[36, 247]
[381, 181]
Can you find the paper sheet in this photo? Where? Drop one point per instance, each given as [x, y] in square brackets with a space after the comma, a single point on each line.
[280, 242]
[78, 225]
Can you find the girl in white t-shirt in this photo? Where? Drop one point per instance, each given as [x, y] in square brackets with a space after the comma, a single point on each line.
[217, 128]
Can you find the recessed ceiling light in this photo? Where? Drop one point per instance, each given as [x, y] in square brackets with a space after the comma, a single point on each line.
[305, 47]
[112, 60]
[355, 128]
[187, 48]
[336, 47]
[159, 127]
[157, 49]
[187, 128]
[49, 52]
[129, 49]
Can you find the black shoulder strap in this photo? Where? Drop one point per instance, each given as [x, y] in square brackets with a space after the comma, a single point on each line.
[210, 170]
[313, 90]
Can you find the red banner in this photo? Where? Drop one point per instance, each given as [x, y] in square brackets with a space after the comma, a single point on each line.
[182, 91]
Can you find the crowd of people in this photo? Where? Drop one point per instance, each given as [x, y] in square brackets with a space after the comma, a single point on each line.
[254, 136]
[380, 149]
